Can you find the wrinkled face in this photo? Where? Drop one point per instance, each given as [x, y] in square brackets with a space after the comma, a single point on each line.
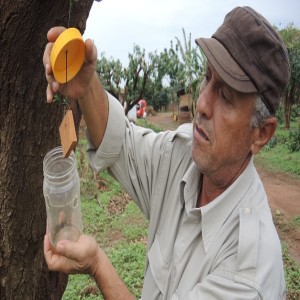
[222, 135]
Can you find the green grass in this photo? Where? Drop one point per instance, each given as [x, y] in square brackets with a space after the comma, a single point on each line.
[279, 159]
[276, 156]
[292, 274]
[296, 221]
[145, 123]
[130, 259]
[120, 230]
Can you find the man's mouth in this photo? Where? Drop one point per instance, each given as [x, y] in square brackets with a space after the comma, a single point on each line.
[202, 133]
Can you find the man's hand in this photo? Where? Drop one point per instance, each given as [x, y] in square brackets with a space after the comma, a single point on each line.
[70, 257]
[80, 84]
[86, 257]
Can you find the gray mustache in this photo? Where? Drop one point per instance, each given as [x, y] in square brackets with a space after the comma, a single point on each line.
[202, 121]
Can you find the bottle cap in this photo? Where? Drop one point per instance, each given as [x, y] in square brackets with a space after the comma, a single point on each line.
[67, 55]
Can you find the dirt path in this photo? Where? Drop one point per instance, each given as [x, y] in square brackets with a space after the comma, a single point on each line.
[283, 193]
[284, 197]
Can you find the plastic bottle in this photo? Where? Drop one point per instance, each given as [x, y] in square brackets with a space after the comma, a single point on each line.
[61, 190]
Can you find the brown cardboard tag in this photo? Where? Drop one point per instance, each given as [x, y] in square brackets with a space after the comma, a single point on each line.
[67, 133]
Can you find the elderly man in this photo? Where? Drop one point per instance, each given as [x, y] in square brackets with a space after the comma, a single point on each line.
[211, 234]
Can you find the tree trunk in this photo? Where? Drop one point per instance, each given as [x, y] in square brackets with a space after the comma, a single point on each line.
[28, 130]
[288, 106]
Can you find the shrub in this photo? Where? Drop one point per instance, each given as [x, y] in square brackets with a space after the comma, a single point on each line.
[295, 112]
[280, 114]
[293, 142]
[272, 143]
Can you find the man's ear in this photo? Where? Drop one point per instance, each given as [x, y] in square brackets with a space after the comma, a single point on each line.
[263, 134]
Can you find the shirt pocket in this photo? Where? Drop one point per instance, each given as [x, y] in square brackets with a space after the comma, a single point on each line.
[158, 264]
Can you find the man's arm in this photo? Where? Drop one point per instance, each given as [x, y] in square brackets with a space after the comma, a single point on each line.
[85, 87]
[94, 107]
[86, 257]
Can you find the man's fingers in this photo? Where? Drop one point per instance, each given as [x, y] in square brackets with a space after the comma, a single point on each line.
[75, 250]
[49, 94]
[91, 51]
[68, 249]
[54, 32]
[47, 246]
[46, 56]
[47, 249]
[48, 73]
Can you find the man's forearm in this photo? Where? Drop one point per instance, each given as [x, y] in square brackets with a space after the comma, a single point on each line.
[94, 106]
[108, 280]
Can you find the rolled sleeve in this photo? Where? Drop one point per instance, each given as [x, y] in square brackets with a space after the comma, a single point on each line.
[111, 144]
[216, 287]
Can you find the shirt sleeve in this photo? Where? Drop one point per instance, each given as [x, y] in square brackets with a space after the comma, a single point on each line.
[216, 287]
[130, 153]
[110, 147]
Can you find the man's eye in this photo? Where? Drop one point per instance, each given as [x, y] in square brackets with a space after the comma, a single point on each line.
[207, 77]
[223, 96]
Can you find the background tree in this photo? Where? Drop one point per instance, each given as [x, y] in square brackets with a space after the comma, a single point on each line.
[194, 64]
[291, 37]
[111, 73]
[28, 130]
[167, 79]
[136, 76]
[152, 76]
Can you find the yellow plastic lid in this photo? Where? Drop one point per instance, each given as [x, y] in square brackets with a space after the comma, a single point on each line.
[67, 55]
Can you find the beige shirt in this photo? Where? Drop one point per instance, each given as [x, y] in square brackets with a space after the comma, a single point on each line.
[228, 249]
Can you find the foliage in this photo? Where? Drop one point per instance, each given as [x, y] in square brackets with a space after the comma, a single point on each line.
[111, 73]
[276, 155]
[137, 74]
[291, 37]
[292, 273]
[153, 76]
[159, 90]
[157, 76]
[194, 64]
[280, 114]
[293, 142]
[295, 113]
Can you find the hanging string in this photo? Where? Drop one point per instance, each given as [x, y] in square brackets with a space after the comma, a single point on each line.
[67, 75]
[69, 18]
[66, 99]
[57, 98]
[70, 8]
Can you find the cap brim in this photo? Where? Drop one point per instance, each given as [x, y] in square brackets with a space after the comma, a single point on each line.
[226, 66]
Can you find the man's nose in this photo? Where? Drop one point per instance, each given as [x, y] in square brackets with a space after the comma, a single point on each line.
[206, 100]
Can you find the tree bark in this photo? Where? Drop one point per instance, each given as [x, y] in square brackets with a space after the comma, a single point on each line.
[28, 130]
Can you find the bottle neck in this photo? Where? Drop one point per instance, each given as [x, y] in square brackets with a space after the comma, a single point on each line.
[59, 170]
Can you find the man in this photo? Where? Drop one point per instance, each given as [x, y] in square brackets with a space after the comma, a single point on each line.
[211, 234]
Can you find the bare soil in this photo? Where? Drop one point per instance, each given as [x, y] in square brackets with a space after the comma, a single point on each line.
[283, 193]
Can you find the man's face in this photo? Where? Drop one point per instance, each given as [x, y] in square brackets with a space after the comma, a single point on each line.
[222, 135]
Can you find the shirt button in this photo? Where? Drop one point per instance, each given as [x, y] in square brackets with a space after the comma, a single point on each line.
[247, 210]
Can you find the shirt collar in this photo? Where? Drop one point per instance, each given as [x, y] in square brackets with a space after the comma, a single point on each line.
[216, 212]
[190, 186]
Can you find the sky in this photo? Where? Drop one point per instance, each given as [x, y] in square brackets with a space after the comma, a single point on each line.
[116, 25]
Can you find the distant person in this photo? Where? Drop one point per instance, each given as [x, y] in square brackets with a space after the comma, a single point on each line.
[211, 233]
